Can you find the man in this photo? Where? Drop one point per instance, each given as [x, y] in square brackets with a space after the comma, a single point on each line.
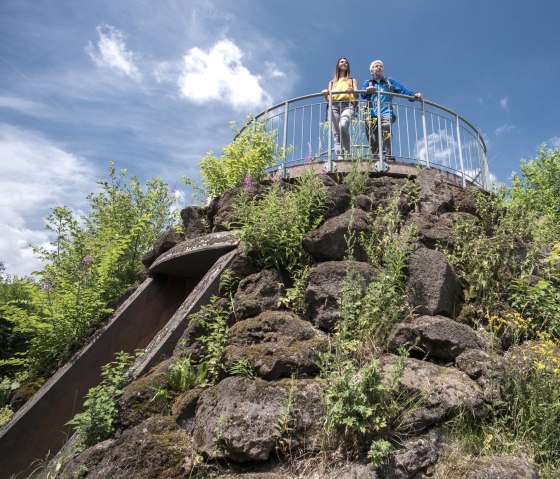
[381, 84]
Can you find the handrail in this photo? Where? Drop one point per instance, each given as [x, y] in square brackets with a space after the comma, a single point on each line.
[424, 132]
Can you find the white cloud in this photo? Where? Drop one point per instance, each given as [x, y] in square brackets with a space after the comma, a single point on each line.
[553, 142]
[443, 149]
[219, 75]
[273, 70]
[35, 175]
[504, 102]
[22, 105]
[506, 128]
[111, 53]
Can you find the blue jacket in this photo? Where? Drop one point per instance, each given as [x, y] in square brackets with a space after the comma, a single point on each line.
[383, 85]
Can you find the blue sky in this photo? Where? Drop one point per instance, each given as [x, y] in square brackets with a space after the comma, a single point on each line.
[153, 86]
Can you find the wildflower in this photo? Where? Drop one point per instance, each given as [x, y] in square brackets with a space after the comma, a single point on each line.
[171, 191]
[87, 260]
[323, 171]
[248, 181]
[308, 160]
[47, 287]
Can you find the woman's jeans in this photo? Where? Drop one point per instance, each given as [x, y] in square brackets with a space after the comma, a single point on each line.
[342, 112]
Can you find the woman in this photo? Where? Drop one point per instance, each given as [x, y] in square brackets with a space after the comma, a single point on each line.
[342, 106]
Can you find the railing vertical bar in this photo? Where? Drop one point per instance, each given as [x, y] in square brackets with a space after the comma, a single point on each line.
[424, 132]
[409, 153]
[329, 153]
[460, 150]
[484, 163]
[439, 135]
[380, 134]
[285, 141]
[399, 132]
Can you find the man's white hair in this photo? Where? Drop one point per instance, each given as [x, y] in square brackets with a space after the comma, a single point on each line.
[374, 62]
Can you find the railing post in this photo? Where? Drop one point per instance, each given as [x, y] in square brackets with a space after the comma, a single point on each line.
[381, 163]
[284, 142]
[329, 144]
[425, 133]
[460, 151]
[484, 164]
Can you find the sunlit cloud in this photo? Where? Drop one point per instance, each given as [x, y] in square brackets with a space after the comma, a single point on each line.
[504, 129]
[504, 102]
[553, 142]
[35, 175]
[111, 53]
[443, 152]
[219, 75]
[22, 105]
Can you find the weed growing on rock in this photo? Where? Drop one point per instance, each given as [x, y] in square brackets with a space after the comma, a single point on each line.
[95, 424]
[285, 418]
[356, 179]
[213, 320]
[295, 296]
[273, 226]
[242, 368]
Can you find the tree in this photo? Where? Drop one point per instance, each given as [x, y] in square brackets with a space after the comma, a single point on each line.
[92, 260]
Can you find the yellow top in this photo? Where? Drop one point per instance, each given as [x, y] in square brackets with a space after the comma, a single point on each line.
[342, 85]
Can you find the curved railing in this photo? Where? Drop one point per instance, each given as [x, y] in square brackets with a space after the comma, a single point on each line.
[423, 133]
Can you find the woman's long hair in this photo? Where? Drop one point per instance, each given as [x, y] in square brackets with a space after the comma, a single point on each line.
[337, 69]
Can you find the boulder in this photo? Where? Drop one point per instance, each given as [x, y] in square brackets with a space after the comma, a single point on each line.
[435, 195]
[184, 408]
[171, 238]
[155, 448]
[432, 286]
[329, 241]
[338, 200]
[195, 222]
[500, 467]
[489, 371]
[246, 420]
[276, 344]
[325, 286]
[135, 405]
[436, 393]
[257, 293]
[436, 337]
[221, 210]
[415, 458]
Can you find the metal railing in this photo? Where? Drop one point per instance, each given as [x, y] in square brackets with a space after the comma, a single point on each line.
[423, 133]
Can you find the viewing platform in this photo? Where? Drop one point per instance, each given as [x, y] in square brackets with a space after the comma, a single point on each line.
[423, 135]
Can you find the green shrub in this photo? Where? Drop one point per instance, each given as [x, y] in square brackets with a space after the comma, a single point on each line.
[91, 262]
[96, 423]
[248, 156]
[274, 225]
[538, 192]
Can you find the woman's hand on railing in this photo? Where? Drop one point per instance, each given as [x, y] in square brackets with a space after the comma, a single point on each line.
[325, 94]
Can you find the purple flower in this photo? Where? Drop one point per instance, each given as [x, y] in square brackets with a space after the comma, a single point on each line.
[87, 260]
[171, 191]
[248, 181]
[308, 160]
[323, 171]
[47, 287]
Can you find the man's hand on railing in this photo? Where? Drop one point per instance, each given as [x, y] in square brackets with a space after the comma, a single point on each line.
[418, 96]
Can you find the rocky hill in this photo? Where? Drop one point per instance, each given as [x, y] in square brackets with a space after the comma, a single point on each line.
[299, 387]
